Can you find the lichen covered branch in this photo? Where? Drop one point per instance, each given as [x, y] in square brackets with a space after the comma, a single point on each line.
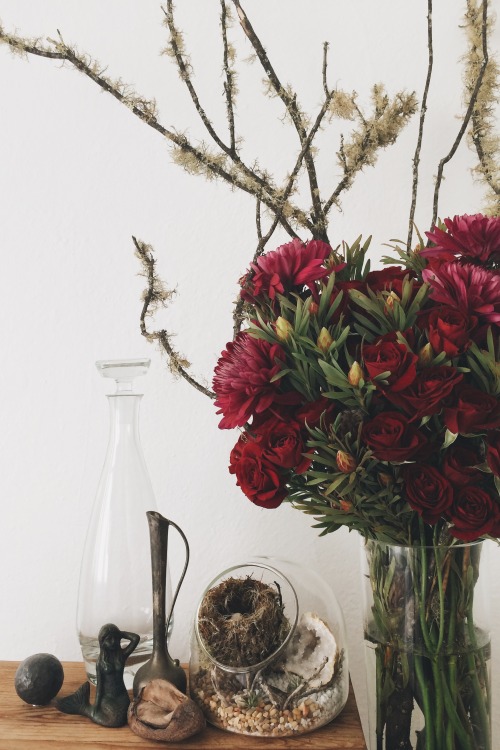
[482, 135]
[423, 111]
[155, 297]
[467, 117]
[289, 99]
[371, 134]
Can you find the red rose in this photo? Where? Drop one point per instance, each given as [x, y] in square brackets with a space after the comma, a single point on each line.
[391, 439]
[426, 394]
[493, 452]
[282, 444]
[474, 411]
[448, 330]
[459, 464]
[428, 491]
[258, 479]
[319, 413]
[473, 514]
[393, 357]
[388, 279]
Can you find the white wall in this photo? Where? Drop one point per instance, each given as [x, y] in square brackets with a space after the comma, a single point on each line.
[79, 175]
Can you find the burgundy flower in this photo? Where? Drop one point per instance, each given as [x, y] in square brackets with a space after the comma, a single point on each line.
[344, 306]
[427, 393]
[391, 438]
[493, 452]
[474, 291]
[474, 411]
[473, 514]
[388, 279]
[258, 479]
[476, 237]
[448, 329]
[392, 357]
[428, 491]
[459, 464]
[290, 266]
[319, 413]
[242, 379]
[282, 444]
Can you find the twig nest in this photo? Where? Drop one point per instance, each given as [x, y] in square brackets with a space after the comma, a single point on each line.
[241, 621]
[162, 713]
[312, 652]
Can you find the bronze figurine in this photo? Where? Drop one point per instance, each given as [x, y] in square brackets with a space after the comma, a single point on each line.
[111, 698]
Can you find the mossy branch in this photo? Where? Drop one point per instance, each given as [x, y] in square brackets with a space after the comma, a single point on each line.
[155, 297]
[378, 131]
[467, 117]
[482, 135]
[289, 99]
[423, 111]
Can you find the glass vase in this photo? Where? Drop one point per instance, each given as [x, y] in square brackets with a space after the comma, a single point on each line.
[301, 685]
[115, 576]
[427, 646]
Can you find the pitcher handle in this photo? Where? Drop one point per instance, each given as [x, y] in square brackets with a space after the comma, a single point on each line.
[183, 574]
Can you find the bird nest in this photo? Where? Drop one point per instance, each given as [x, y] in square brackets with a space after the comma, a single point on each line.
[241, 621]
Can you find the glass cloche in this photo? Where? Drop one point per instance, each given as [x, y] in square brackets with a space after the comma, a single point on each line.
[268, 650]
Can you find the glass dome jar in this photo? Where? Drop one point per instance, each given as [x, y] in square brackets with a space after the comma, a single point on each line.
[284, 686]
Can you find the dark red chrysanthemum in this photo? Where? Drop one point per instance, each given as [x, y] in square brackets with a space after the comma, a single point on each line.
[475, 237]
[292, 265]
[242, 379]
[473, 290]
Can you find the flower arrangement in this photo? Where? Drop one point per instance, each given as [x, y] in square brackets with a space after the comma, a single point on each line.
[370, 399]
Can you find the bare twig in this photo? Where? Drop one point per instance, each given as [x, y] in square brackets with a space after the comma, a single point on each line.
[468, 114]
[325, 66]
[289, 99]
[229, 87]
[156, 296]
[423, 110]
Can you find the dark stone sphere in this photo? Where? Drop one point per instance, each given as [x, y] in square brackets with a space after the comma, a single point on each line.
[38, 679]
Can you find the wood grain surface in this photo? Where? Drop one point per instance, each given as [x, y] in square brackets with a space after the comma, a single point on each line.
[24, 727]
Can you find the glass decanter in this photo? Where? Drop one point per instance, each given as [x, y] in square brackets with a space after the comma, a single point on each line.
[115, 577]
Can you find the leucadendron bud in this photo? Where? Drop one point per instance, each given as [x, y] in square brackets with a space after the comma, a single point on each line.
[324, 340]
[425, 355]
[384, 479]
[355, 374]
[346, 463]
[391, 298]
[283, 328]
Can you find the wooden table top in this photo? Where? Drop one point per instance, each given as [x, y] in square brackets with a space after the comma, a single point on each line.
[23, 727]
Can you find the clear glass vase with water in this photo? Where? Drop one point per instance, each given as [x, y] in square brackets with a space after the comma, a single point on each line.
[115, 577]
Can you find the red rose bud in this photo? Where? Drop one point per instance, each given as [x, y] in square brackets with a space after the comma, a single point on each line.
[346, 463]
[425, 355]
[355, 374]
[324, 340]
[313, 308]
[283, 328]
[346, 506]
